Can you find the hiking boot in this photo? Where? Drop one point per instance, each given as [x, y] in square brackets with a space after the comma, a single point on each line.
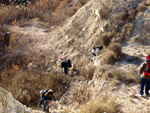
[139, 95]
[148, 95]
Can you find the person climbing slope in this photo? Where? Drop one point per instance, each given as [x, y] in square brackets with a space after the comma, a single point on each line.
[46, 99]
[65, 64]
[144, 71]
[95, 50]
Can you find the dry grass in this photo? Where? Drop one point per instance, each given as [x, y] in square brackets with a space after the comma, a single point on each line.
[80, 94]
[51, 11]
[116, 48]
[104, 12]
[113, 74]
[105, 38]
[101, 105]
[25, 86]
[147, 2]
[87, 72]
[132, 76]
[109, 58]
[141, 7]
[122, 15]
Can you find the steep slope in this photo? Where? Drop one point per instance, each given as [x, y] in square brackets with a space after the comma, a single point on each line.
[84, 29]
[79, 33]
[9, 105]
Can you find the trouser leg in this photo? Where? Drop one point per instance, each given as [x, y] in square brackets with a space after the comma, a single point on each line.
[65, 70]
[147, 86]
[142, 83]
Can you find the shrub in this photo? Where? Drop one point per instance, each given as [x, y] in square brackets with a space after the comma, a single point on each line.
[104, 12]
[122, 15]
[101, 105]
[80, 94]
[147, 2]
[131, 77]
[83, 2]
[55, 11]
[113, 74]
[105, 38]
[25, 86]
[88, 72]
[116, 48]
[109, 58]
[117, 74]
[141, 7]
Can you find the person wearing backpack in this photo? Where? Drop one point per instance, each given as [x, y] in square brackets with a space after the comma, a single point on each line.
[144, 71]
[95, 50]
[46, 99]
[66, 64]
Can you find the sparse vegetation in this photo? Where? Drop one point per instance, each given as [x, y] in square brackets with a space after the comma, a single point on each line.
[122, 15]
[80, 94]
[25, 85]
[105, 38]
[88, 72]
[109, 58]
[141, 7]
[51, 11]
[116, 48]
[101, 105]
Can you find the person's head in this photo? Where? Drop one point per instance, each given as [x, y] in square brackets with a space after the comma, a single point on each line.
[50, 93]
[147, 60]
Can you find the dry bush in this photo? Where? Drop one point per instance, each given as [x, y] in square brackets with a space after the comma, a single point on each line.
[122, 15]
[117, 74]
[113, 74]
[132, 77]
[25, 86]
[80, 94]
[87, 72]
[147, 2]
[83, 2]
[105, 38]
[55, 11]
[116, 48]
[141, 7]
[104, 12]
[109, 58]
[101, 105]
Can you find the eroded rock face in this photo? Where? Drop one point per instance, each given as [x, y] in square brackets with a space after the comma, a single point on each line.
[9, 105]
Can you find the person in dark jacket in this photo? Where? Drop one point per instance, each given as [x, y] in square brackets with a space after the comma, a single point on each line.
[6, 39]
[46, 99]
[66, 64]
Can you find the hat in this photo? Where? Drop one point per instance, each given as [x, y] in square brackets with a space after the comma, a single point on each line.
[49, 92]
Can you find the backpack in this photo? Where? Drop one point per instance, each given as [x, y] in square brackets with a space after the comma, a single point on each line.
[147, 70]
[69, 63]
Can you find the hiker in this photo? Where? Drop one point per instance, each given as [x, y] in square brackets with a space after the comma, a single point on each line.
[95, 50]
[144, 71]
[6, 39]
[46, 99]
[66, 64]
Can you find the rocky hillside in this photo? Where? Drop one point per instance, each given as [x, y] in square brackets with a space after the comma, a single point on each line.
[112, 77]
[9, 105]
